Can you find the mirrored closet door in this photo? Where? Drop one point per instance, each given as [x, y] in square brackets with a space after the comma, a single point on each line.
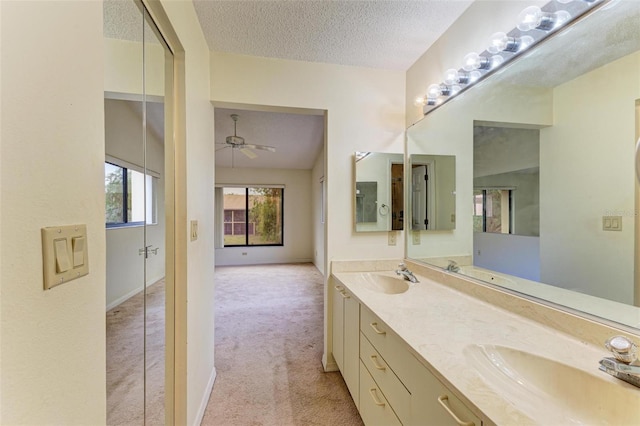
[135, 61]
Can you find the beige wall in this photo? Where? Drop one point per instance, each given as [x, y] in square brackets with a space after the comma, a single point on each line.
[594, 133]
[200, 207]
[317, 214]
[52, 368]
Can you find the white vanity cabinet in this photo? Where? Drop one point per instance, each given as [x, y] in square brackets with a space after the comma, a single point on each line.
[346, 342]
[395, 388]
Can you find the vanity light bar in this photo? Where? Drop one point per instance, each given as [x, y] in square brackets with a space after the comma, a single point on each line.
[534, 25]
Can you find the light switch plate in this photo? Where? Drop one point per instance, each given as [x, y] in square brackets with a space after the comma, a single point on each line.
[64, 254]
[194, 230]
[416, 238]
[612, 223]
[392, 238]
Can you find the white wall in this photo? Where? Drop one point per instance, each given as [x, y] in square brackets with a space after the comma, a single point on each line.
[298, 217]
[594, 134]
[52, 369]
[365, 112]
[125, 267]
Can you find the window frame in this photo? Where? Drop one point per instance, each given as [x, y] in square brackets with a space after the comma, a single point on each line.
[246, 216]
[125, 198]
[483, 191]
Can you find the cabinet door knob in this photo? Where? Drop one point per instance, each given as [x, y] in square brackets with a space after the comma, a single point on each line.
[374, 396]
[376, 364]
[443, 400]
[374, 325]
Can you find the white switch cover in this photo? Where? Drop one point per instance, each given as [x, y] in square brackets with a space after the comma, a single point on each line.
[416, 238]
[194, 230]
[392, 238]
[64, 253]
[612, 223]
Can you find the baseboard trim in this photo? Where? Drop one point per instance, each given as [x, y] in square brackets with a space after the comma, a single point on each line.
[329, 366]
[123, 299]
[205, 398]
[131, 294]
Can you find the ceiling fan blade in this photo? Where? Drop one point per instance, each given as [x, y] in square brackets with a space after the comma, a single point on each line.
[262, 147]
[222, 147]
[248, 153]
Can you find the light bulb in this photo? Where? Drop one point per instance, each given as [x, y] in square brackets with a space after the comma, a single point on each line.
[534, 18]
[420, 101]
[498, 42]
[496, 61]
[454, 89]
[560, 18]
[452, 76]
[434, 91]
[473, 61]
[529, 18]
[474, 76]
[525, 42]
[470, 61]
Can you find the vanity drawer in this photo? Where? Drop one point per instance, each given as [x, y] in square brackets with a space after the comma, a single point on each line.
[393, 349]
[390, 385]
[374, 407]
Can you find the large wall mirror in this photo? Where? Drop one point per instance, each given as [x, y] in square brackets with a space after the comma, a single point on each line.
[546, 189]
[378, 192]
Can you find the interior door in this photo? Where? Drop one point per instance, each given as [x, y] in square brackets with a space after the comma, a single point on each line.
[419, 189]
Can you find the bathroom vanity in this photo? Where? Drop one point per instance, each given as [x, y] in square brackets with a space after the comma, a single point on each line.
[447, 350]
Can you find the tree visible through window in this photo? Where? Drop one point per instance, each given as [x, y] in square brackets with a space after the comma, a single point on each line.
[253, 216]
[492, 210]
[129, 196]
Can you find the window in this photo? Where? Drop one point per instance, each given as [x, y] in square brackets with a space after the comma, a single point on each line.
[492, 210]
[128, 195]
[253, 216]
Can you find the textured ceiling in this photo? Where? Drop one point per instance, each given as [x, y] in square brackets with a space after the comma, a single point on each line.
[390, 34]
[297, 138]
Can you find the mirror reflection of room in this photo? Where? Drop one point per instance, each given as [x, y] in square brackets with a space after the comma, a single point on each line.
[378, 192]
[548, 164]
[506, 199]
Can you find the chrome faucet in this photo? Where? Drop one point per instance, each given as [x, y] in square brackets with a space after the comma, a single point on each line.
[453, 266]
[622, 365]
[406, 273]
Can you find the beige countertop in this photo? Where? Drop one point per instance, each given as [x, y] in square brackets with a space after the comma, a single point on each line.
[443, 327]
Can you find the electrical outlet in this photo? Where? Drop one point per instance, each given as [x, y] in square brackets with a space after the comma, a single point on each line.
[194, 230]
[392, 238]
[416, 238]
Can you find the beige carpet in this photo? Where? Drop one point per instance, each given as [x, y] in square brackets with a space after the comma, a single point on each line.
[268, 343]
[125, 384]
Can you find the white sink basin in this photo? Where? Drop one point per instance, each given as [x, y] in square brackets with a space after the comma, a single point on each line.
[383, 282]
[550, 392]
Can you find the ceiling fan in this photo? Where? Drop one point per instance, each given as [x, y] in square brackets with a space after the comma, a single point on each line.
[237, 142]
